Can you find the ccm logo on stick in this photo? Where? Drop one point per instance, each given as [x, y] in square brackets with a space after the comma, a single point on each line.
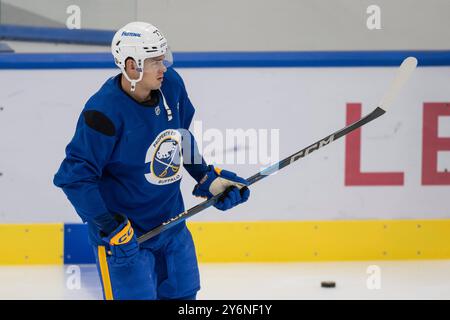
[312, 148]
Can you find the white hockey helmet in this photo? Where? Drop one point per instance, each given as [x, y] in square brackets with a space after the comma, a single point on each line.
[139, 40]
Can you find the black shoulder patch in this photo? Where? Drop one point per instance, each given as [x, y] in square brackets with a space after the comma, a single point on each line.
[99, 122]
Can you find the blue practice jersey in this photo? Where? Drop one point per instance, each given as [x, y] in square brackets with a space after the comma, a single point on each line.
[125, 157]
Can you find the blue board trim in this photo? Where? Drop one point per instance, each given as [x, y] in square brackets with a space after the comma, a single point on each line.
[231, 59]
[77, 249]
[310, 58]
[56, 35]
[56, 61]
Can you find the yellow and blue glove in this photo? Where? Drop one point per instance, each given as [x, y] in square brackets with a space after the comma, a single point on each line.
[122, 242]
[217, 181]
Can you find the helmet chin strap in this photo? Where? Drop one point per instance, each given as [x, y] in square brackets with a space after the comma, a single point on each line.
[133, 85]
[140, 69]
[133, 81]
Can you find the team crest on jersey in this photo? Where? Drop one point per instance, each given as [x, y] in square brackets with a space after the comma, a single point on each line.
[164, 158]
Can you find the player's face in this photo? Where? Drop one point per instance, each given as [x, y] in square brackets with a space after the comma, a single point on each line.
[154, 69]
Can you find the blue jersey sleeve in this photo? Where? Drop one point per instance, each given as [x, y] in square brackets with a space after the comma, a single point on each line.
[86, 156]
[194, 164]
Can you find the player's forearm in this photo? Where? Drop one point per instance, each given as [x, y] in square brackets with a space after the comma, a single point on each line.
[197, 171]
[105, 223]
[192, 159]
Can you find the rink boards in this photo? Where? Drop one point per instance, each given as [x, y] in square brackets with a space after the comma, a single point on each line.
[380, 193]
[268, 241]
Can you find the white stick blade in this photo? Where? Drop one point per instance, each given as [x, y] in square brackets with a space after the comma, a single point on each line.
[403, 74]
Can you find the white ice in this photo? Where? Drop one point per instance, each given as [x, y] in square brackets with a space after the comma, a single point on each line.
[264, 281]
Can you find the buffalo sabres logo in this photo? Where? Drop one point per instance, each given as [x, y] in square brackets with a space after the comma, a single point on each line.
[164, 158]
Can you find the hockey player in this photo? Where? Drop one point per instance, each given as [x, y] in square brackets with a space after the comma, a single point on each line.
[122, 172]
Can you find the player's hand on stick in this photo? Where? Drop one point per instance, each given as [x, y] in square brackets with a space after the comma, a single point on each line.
[217, 181]
[123, 245]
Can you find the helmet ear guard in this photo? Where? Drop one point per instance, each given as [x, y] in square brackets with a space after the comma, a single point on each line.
[139, 68]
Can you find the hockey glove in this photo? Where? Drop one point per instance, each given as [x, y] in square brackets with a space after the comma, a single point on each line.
[123, 245]
[217, 181]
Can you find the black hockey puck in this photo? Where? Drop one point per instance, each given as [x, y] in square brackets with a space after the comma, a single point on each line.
[328, 284]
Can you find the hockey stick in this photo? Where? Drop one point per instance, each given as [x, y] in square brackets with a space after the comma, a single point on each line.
[403, 74]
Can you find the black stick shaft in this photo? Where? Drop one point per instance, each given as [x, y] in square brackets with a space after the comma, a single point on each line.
[266, 172]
